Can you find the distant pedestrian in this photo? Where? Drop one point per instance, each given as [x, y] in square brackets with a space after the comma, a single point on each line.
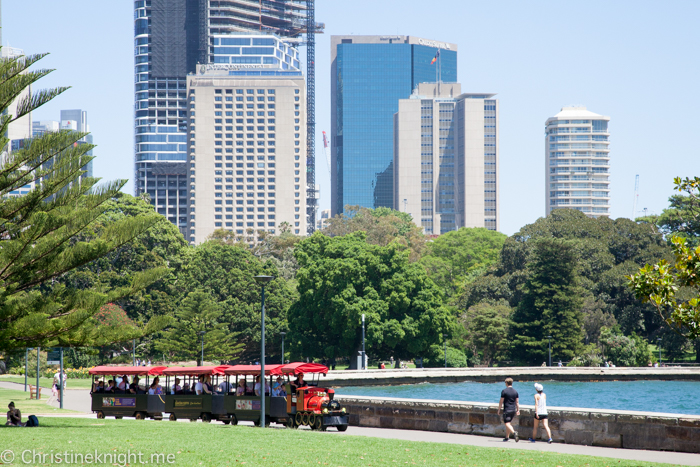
[510, 406]
[540, 413]
[560, 364]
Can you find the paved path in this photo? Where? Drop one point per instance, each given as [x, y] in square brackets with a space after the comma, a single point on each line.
[79, 400]
[73, 399]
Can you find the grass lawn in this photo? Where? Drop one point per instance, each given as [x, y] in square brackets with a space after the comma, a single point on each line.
[27, 406]
[48, 382]
[221, 445]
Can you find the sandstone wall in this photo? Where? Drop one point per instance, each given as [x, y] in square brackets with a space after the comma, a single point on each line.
[591, 427]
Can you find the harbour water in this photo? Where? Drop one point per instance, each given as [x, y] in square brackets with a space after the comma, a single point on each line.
[680, 397]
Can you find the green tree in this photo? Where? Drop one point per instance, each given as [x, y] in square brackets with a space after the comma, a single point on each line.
[226, 272]
[382, 225]
[488, 330]
[550, 305]
[342, 278]
[40, 231]
[199, 313]
[458, 257]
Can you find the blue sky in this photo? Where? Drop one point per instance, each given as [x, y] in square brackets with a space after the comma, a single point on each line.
[635, 61]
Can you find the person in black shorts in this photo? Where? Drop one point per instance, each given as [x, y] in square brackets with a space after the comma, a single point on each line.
[510, 405]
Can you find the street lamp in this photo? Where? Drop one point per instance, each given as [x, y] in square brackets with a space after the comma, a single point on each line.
[444, 341]
[658, 344]
[550, 350]
[201, 333]
[283, 334]
[133, 356]
[262, 280]
[363, 342]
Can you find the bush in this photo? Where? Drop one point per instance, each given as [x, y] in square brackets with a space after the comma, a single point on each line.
[455, 358]
[589, 357]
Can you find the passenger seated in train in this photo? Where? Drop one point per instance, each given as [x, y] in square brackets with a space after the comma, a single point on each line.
[225, 387]
[206, 386]
[100, 387]
[258, 386]
[278, 388]
[186, 389]
[155, 389]
[240, 390]
[123, 385]
[95, 385]
[134, 387]
[176, 388]
[110, 386]
[299, 382]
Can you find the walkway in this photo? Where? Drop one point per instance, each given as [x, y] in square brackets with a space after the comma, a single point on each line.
[79, 400]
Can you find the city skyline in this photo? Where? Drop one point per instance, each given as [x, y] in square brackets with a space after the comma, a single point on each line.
[634, 68]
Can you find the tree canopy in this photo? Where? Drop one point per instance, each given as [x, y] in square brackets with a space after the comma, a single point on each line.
[342, 278]
[40, 231]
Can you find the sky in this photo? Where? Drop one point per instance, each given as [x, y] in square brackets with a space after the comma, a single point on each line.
[634, 61]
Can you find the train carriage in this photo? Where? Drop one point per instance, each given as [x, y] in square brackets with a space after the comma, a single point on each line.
[186, 403]
[247, 407]
[121, 404]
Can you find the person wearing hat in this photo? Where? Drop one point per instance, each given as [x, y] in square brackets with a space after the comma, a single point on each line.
[540, 414]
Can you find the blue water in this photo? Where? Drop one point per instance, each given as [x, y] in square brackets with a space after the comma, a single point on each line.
[680, 397]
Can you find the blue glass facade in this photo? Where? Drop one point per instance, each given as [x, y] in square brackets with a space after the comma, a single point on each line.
[371, 78]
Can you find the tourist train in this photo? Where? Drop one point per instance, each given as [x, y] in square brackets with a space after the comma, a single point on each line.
[221, 393]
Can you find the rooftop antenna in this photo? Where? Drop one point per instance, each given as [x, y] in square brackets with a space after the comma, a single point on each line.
[636, 197]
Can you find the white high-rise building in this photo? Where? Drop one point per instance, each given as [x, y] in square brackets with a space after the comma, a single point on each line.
[577, 162]
[247, 145]
[446, 158]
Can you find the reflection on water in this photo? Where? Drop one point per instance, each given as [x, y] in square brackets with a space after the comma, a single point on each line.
[682, 397]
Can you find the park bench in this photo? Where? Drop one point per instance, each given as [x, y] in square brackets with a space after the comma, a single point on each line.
[34, 392]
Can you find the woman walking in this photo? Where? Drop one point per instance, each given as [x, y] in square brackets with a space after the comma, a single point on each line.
[540, 413]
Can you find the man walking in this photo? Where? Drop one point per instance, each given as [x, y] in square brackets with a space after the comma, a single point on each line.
[510, 405]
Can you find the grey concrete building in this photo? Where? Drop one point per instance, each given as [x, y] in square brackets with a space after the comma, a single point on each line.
[247, 146]
[446, 158]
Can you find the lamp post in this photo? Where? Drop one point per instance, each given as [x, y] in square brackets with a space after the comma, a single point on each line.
[444, 342]
[262, 280]
[363, 342]
[550, 350]
[201, 333]
[26, 365]
[133, 353]
[658, 344]
[283, 334]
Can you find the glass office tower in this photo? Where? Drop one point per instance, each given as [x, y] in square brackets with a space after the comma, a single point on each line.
[369, 75]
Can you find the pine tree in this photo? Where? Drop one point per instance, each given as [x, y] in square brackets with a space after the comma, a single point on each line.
[550, 306]
[199, 313]
[40, 231]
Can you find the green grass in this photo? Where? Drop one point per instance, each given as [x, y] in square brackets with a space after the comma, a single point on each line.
[221, 445]
[48, 382]
[28, 406]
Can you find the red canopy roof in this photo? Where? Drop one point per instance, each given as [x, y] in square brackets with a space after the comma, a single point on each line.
[301, 367]
[253, 369]
[127, 370]
[195, 370]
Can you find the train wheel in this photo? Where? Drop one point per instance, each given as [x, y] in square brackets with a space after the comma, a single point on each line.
[291, 423]
[298, 419]
[312, 421]
[173, 417]
[318, 425]
[118, 417]
[267, 421]
[206, 417]
[342, 427]
[193, 419]
[100, 415]
[234, 420]
[140, 416]
[305, 419]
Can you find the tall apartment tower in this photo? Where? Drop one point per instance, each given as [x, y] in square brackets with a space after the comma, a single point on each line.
[369, 75]
[577, 162]
[446, 158]
[172, 37]
[247, 143]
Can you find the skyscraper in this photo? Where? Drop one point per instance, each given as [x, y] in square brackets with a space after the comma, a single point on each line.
[247, 142]
[446, 158]
[577, 162]
[369, 74]
[171, 37]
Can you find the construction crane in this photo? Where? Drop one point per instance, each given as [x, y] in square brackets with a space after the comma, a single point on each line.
[636, 196]
[325, 152]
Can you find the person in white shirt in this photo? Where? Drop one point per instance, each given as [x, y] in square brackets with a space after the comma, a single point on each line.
[257, 386]
[198, 387]
[155, 388]
[176, 387]
[123, 384]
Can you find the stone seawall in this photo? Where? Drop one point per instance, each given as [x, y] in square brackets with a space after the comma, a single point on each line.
[396, 377]
[590, 427]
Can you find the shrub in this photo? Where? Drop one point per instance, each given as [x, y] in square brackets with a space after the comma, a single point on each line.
[455, 357]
